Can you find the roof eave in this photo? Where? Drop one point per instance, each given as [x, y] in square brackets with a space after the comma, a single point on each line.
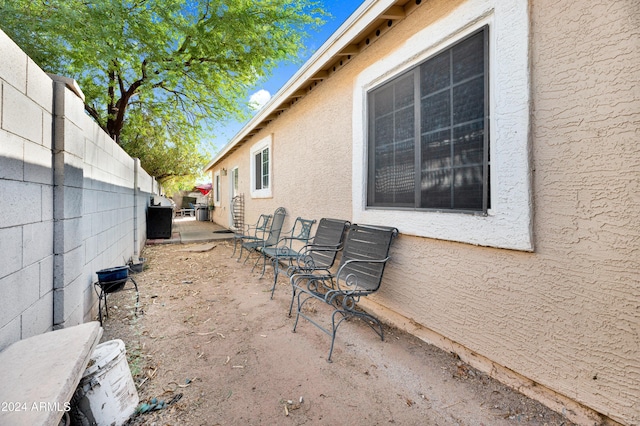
[340, 43]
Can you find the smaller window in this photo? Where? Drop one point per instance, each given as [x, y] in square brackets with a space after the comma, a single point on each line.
[261, 169]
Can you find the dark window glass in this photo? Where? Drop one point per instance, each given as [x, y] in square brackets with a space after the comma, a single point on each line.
[258, 170]
[441, 134]
[393, 151]
[265, 168]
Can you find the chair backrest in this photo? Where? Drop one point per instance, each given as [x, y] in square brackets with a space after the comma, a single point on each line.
[329, 233]
[301, 230]
[365, 242]
[276, 227]
[262, 225]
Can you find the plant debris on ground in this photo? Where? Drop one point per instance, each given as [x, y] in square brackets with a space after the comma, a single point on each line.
[209, 347]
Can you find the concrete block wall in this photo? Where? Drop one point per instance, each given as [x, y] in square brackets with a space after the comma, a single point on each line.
[26, 196]
[74, 201]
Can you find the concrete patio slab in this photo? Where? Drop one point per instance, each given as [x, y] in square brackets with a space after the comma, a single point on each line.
[188, 230]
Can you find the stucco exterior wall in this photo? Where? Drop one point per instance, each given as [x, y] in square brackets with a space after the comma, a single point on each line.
[564, 317]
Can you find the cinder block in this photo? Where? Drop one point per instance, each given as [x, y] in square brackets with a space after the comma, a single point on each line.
[72, 203]
[11, 156]
[10, 333]
[67, 267]
[47, 130]
[68, 303]
[68, 136]
[69, 170]
[73, 236]
[39, 86]
[10, 247]
[13, 67]
[37, 242]
[38, 163]
[90, 248]
[19, 291]
[90, 301]
[89, 201]
[46, 275]
[73, 264]
[74, 109]
[20, 115]
[67, 202]
[21, 203]
[38, 318]
[47, 202]
[91, 152]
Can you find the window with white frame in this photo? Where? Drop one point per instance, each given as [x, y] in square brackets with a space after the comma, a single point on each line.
[425, 156]
[261, 166]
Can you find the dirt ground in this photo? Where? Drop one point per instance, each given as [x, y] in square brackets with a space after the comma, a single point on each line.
[211, 348]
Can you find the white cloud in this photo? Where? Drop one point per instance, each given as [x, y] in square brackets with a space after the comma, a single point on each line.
[258, 99]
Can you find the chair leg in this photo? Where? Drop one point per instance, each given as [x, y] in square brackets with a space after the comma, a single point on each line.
[255, 264]
[264, 265]
[276, 270]
[235, 244]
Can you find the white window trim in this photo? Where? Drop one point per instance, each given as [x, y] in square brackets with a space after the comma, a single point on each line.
[509, 221]
[260, 146]
[216, 188]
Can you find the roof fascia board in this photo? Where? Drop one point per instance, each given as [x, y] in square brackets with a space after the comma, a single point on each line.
[366, 14]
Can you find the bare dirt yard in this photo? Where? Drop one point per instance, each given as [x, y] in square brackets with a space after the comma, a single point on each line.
[209, 347]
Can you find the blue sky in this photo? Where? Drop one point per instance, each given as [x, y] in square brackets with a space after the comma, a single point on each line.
[339, 10]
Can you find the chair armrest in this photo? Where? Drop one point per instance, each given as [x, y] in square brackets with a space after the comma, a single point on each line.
[316, 284]
[305, 260]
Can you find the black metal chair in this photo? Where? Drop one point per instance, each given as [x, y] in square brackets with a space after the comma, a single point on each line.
[365, 254]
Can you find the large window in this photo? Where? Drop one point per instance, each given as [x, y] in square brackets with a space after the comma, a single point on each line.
[426, 159]
[428, 133]
[261, 169]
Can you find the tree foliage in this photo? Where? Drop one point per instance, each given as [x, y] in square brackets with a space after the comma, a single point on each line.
[155, 72]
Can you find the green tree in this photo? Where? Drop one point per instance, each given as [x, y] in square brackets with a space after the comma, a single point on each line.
[154, 72]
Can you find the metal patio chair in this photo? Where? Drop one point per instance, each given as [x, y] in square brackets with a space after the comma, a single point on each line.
[365, 254]
[250, 233]
[319, 254]
[271, 236]
[288, 247]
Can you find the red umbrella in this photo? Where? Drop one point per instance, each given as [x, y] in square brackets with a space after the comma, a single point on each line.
[204, 188]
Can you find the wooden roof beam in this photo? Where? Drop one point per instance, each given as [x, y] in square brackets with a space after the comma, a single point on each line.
[351, 49]
[298, 94]
[394, 12]
[320, 75]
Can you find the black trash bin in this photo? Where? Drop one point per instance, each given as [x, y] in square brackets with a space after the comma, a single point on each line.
[202, 213]
[159, 220]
